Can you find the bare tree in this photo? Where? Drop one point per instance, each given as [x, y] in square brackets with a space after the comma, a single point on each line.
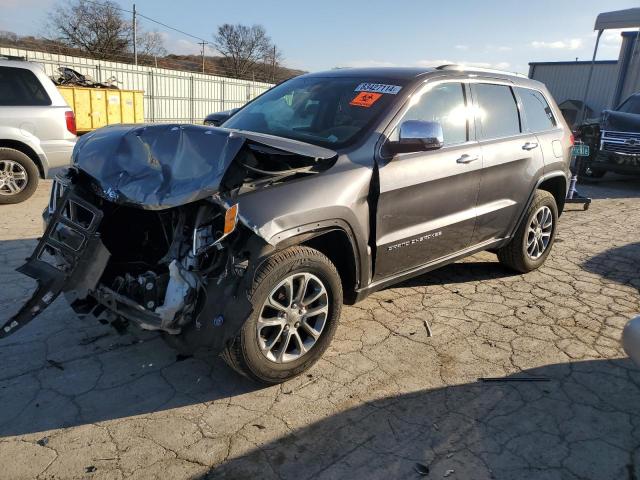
[242, 47]
[98, 29]
[150, 43]
[8, 36]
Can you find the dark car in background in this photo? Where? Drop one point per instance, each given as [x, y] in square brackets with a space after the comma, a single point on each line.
[614, 141]
[218, 118]
[246, 239]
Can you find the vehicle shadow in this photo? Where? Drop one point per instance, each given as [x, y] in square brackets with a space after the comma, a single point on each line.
[620, 264]
[578, 424]
[461, 272]
[61, 371]
[611, 186]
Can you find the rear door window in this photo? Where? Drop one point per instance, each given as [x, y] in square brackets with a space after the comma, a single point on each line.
[445, 103]
[537, 112]
[497, 110]
[20, 87]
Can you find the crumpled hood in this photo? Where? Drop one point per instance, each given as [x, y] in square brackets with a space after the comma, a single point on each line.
[161, 166]
[620, 121]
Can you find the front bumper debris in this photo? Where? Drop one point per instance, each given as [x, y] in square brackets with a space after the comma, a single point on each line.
[69, 257]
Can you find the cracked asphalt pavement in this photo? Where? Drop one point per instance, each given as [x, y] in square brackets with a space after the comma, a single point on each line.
[78, 400]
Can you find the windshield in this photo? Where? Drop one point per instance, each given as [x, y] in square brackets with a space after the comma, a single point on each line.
[631, 105]
[330, 112]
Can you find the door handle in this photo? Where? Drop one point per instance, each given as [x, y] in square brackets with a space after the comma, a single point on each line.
[467, 158]
[529, 146]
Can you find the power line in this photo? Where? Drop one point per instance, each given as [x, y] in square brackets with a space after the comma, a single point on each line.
[148, 18]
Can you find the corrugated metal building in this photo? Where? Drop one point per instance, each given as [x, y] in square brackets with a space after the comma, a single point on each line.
[612, 81]
[567, 81]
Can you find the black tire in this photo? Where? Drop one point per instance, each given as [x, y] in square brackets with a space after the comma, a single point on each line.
[33, 175]
[243, 354]
[587, 172]
[514, 255]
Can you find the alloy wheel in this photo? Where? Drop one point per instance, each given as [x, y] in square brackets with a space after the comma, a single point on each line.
[539, 232]
[292, 317]
[13, 177]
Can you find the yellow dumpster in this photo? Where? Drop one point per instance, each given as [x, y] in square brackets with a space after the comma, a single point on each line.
[97, 107]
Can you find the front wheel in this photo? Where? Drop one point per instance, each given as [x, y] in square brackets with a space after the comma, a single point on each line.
[297, 298]
[532, 242]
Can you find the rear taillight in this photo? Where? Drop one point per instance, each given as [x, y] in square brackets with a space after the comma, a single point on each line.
[572, 140]
[71, 121]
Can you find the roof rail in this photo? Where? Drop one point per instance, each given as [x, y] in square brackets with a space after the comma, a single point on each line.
[466, 68]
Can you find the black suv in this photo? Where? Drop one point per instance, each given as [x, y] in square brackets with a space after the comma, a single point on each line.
[614, 141]
[247, 239]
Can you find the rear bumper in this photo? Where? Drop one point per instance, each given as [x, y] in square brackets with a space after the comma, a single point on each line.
[631, 339]
[57, 155]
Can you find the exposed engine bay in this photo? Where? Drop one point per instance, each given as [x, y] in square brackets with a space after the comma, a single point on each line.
[146, 228]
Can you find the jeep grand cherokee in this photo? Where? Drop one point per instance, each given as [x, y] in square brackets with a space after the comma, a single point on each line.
[247, 239]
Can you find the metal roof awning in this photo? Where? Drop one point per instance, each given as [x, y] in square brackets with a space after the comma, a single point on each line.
[629, 18]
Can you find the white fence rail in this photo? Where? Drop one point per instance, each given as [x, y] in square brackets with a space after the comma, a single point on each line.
[169, 95]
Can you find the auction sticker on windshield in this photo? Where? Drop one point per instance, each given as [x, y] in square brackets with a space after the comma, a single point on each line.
[378, 87]
[365, 99]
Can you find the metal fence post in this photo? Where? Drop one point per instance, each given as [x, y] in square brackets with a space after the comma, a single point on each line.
[192, 95]
[222, 95]
[152, 101]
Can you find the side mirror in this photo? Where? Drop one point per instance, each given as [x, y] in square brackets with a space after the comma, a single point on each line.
[418, 136]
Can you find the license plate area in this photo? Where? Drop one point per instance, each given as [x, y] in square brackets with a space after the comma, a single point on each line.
[73, 222]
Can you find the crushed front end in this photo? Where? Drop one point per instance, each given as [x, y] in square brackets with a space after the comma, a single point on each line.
[145, 229]
[171, 270]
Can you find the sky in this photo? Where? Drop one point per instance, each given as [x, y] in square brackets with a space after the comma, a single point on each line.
[320, 35]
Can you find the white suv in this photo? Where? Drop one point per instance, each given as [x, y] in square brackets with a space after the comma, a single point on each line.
[37, 129]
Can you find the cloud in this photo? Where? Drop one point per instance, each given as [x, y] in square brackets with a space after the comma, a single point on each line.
[611, 39]
[568, 44]
[504, 48]
[462, 47]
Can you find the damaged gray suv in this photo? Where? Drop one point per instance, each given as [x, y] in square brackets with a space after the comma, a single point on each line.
[247, 238]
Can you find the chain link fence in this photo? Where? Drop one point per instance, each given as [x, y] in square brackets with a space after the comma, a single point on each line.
[169, 95]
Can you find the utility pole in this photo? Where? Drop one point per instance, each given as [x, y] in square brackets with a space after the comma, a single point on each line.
[135, 36]
[203, 43]
[273, 65]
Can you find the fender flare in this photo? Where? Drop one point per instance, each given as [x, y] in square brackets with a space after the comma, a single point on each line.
[302, 233]
[540, 181]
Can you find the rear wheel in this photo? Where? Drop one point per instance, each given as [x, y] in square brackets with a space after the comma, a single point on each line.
[18, 176]
[297, 298]
[532, 242]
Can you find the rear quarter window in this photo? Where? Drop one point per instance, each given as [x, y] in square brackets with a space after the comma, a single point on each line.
[537, 113]
[497, 110]
[20, 87]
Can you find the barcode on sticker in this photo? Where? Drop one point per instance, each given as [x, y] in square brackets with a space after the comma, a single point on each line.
[378, 88]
